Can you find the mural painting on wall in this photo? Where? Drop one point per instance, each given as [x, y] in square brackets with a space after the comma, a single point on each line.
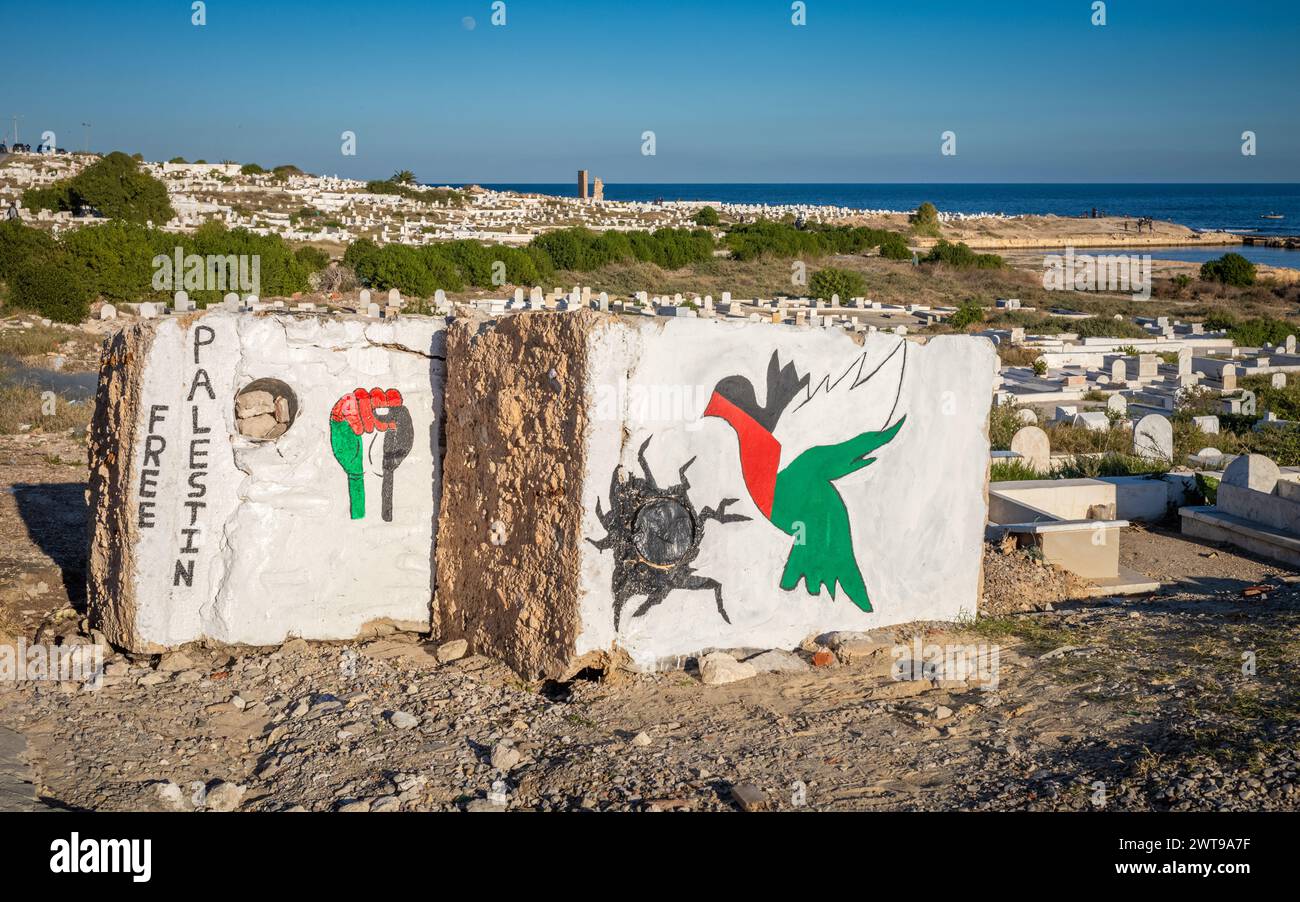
[363, 413]
[655, 534]
[801, 499]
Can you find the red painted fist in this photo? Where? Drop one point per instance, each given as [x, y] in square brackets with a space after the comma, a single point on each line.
[358, 409]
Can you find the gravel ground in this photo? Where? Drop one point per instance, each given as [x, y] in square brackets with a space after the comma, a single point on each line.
[1184, 700]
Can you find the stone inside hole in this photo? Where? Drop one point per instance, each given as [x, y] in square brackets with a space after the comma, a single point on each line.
[265, 409]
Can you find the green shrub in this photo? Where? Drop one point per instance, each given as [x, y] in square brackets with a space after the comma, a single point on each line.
[1253, 333]
[1012, 471]
[895, 247]
[313, 258]
[55, 286]
[829, 281]
[767, 239]
[1004, 422]
[1106, 327]
[706, 216]
[18, 243]
[967, 315]
[962, 257]
[251, 169]
[925, 221]
[1230, 269]
[117, 256]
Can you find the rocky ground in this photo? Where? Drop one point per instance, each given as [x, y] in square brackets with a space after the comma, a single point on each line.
[1183, 700]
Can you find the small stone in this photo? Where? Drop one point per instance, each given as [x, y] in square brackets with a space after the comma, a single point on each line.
[403, 720]
[175, 662]
[720, 668]
[778, 661]
[641, 739]
[258, 427]
[361, 806]
[504, 757]
[225, 796]
[823, 658]
[942, 712]
[386, 803]
[170, 795]
[749, 797]
[254, 403]
[153, 679]
[451, 651]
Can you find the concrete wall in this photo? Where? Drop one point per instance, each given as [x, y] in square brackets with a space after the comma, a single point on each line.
[901, 536]
[201, 531]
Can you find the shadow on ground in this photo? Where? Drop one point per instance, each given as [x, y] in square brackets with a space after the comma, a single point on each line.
[56, 519]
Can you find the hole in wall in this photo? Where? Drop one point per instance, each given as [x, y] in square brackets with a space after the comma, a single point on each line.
[265, 409]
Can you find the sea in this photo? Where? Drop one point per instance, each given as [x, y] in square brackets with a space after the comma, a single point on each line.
[1231, 207]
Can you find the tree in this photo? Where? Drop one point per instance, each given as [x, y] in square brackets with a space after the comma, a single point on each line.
[403, 177]
[114, 186]
[251, 169]
[1230, 269]
[707, 216]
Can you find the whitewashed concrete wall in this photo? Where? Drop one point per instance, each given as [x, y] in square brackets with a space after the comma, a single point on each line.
[267, 526]
[916, 515]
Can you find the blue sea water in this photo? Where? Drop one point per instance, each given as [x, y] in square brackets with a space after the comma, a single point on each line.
[1198, 206]
[1235, 207]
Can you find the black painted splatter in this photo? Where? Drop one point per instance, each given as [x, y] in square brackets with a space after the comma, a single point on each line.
[655, 534]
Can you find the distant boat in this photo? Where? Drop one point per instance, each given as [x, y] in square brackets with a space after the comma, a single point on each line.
[1272, 216]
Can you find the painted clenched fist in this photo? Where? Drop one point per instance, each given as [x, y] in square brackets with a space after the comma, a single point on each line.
[367, 412]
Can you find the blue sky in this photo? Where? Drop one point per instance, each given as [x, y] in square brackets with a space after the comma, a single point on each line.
[733, 91]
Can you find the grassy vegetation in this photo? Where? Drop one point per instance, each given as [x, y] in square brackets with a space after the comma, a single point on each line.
[31, 342]
[22, 405]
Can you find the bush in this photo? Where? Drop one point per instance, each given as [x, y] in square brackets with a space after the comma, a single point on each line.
[1004, 422]
[962, 257]
[707, 216]
[1012, 471]
[967, 315]
[55, 286]
[829, 281]
[925, 221]
[114, 186]
[251, 169]
[312, 258]
[766, 239]
[1230, 269]
[895, 248]
[1252, 333]
[117, 257]
[1107, 327]
[18, 243]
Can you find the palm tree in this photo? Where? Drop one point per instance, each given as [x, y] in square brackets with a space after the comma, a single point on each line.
[403, 177]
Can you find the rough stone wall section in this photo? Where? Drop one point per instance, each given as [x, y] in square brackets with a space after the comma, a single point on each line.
[112, 537]
[509, 531]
